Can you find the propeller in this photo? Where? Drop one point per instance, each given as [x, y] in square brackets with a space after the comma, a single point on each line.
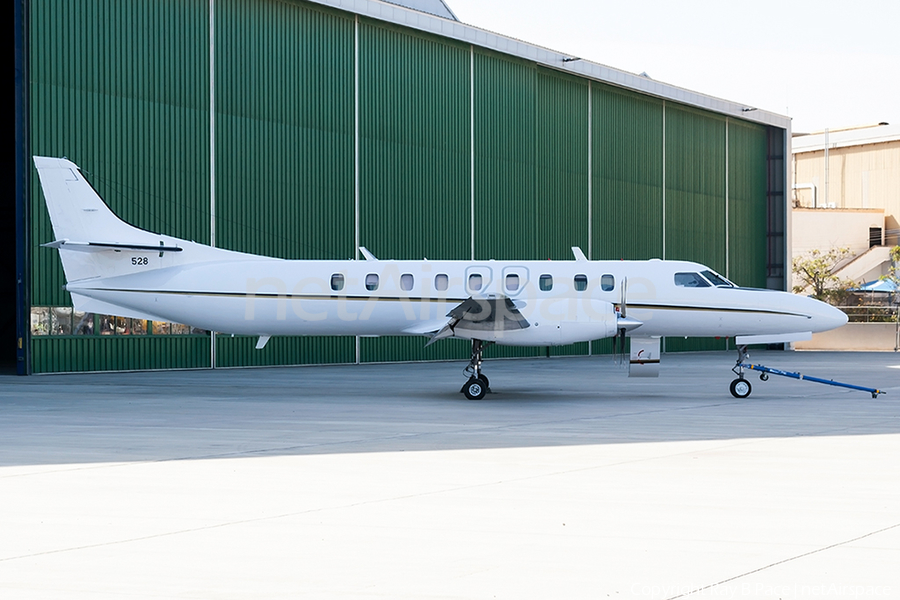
[619, 342]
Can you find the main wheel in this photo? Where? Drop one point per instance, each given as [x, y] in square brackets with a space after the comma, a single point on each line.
[487, 384]
[475, 389]
[740, 388]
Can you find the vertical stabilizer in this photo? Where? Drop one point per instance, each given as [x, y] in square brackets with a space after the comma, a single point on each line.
[77, 212]
[93, 242]
[80, 218]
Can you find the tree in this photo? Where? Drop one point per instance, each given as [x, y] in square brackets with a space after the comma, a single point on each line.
[815, 271]
[893, 274]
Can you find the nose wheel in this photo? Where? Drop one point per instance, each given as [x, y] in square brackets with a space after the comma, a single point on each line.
[477, 385]
[740, 388]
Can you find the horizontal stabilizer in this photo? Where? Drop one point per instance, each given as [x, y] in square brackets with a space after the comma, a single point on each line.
[107, 246]
[778, 338]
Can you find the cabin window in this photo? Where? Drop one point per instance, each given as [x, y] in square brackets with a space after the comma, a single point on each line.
[607, 283]
[406, 282]
[337, 282]
[546, 283]
[475, 282]
[691, 280]
[580, 283]
[512, 282]
[372, 282]
[441, 282]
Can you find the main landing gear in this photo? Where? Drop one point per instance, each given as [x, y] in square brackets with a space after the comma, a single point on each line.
[477, 385]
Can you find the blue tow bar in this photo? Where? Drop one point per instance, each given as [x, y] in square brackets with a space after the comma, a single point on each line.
[792, 375]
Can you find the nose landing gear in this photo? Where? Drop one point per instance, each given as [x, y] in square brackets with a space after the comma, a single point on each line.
[740, 387]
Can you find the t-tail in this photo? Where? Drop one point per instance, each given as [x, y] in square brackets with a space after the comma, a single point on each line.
[94, 243]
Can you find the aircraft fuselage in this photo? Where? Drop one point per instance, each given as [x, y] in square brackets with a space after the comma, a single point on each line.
[570, 300]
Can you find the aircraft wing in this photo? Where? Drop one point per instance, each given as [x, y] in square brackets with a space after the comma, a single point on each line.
[490, 313]
[428, 328]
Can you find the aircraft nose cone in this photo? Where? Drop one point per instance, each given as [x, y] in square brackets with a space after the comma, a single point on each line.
[827, 317]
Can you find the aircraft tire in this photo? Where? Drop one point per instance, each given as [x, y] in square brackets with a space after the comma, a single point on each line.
[740, 388]
[475, 389]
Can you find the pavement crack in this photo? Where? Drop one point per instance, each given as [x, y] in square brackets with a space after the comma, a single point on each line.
[700, 590]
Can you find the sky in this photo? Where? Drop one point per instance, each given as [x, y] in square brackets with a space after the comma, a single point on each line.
[826, 64]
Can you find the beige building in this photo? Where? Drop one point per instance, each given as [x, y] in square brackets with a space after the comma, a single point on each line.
[846, 193]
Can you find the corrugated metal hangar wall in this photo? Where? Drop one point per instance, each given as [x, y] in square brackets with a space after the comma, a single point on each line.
[328, 126]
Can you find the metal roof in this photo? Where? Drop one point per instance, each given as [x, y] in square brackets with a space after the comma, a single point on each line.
[453, 29]
[846, 137]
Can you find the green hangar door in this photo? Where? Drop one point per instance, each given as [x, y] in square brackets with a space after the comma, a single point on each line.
[8, 339]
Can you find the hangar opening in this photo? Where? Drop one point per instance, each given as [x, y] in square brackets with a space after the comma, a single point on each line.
[8, 338]
[301, 130]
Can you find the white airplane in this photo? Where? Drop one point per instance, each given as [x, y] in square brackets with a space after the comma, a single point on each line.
[114, 268]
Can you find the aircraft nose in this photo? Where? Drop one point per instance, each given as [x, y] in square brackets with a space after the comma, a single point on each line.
[826, 317]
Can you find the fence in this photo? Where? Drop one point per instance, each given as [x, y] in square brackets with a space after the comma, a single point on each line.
[872, 314]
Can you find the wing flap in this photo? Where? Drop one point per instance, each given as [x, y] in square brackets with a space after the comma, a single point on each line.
[445, 332]
[426, 327]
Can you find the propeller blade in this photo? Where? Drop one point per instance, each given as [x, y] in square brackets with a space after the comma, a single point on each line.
[615, 348]
[619, 341]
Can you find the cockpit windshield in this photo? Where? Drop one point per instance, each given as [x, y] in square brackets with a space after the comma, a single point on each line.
[701, 280]
[717, 280]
